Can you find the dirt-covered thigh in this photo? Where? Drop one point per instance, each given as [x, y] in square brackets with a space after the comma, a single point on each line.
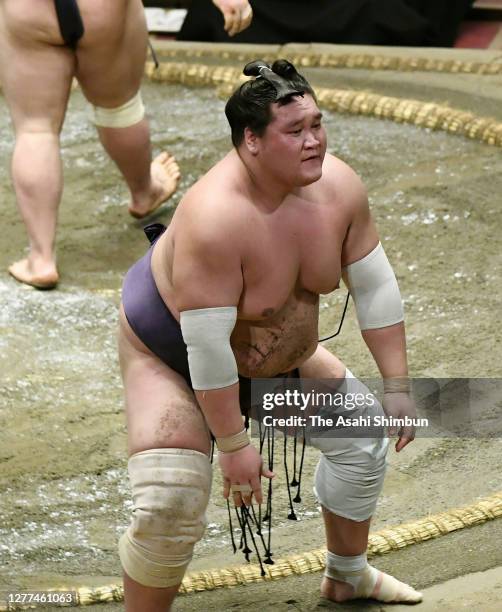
[161, 409]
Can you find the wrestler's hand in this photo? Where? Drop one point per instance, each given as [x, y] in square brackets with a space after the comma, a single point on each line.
[243, 467]
[400, 405]
[238, 14]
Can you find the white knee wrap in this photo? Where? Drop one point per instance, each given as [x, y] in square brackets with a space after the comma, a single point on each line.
[351, 471]
[170, 488]
[128, 114]
[373, 286]
[206, 332]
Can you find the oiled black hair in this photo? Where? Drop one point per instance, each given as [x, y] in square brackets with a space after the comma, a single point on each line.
[250, 105]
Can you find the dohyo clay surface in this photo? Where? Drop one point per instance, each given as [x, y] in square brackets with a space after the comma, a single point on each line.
[436, 200]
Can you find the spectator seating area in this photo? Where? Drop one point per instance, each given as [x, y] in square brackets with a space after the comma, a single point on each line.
[482, 28]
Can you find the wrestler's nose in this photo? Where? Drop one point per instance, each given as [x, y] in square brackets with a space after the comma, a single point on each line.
[311, 140]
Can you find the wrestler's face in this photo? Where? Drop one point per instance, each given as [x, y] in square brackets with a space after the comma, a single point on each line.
[294, 143]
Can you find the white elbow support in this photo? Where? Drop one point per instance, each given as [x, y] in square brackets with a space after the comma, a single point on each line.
[373, 286]
[170, 489]
[128, 114]
[206, 332]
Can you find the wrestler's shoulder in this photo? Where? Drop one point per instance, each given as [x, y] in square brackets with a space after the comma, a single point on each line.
[205, 202]
[212, 209]
[336, 171]
[342, 184]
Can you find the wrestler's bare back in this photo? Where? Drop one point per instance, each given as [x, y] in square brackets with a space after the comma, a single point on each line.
[289, 257]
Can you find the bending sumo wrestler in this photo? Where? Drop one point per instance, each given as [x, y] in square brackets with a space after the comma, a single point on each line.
[230, 290]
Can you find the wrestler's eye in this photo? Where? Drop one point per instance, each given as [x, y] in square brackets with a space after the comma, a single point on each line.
[316, 126]
[296, 132]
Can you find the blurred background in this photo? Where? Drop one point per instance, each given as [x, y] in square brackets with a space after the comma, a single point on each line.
[474, 24]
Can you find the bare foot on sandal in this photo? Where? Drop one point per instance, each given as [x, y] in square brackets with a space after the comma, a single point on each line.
[39, 275]
[165, 174]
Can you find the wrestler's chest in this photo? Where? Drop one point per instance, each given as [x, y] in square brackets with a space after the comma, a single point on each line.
[286, 264]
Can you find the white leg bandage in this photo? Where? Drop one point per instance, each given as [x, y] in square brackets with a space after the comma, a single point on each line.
[170, 488]
[367, 581]
[128, 114]
[350, 473]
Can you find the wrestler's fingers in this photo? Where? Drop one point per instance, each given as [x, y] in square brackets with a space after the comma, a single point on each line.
[404, 440]
[241, 492]
[226, 488]
[247, 491]
[236, 23]
[246, 498]
[237, 497]
[246, 17]
[229, 19]
[257, 492]
[393, 431]
[266, 472]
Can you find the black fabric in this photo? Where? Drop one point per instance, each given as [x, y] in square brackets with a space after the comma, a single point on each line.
[371, 22]
[70, 21]
[443, 16]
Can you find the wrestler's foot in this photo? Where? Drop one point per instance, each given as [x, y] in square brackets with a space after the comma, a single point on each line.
[165, 174]
[379, 586]
[41, 275]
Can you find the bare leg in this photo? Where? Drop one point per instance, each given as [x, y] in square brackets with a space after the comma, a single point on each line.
[36, 163]
[114, 83]
[38, 183]
[150, 183]
[343, 536]
[347, 538]
[139, 597]
[161, 412]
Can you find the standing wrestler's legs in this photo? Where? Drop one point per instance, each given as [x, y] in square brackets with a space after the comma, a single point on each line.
[169, 445]
[343, 536]
[36, 162]
[110, 68]
[350, 473]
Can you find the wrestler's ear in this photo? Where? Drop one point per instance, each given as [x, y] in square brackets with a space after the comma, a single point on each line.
[251, 141]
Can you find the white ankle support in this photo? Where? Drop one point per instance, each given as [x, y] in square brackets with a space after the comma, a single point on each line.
[367, 581]
[346, 569]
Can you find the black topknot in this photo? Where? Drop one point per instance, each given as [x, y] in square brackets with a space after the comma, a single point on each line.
[279, 76]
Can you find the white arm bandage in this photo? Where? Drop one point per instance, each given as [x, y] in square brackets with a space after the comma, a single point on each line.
[373, 286]
[206, 332]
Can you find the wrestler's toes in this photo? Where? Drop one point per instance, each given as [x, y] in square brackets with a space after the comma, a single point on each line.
[165, 177]
[391, 590]
[170, 164]
[163, 157]
[164, 160]
[174, 170]
[40, 276]
[372, 584]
